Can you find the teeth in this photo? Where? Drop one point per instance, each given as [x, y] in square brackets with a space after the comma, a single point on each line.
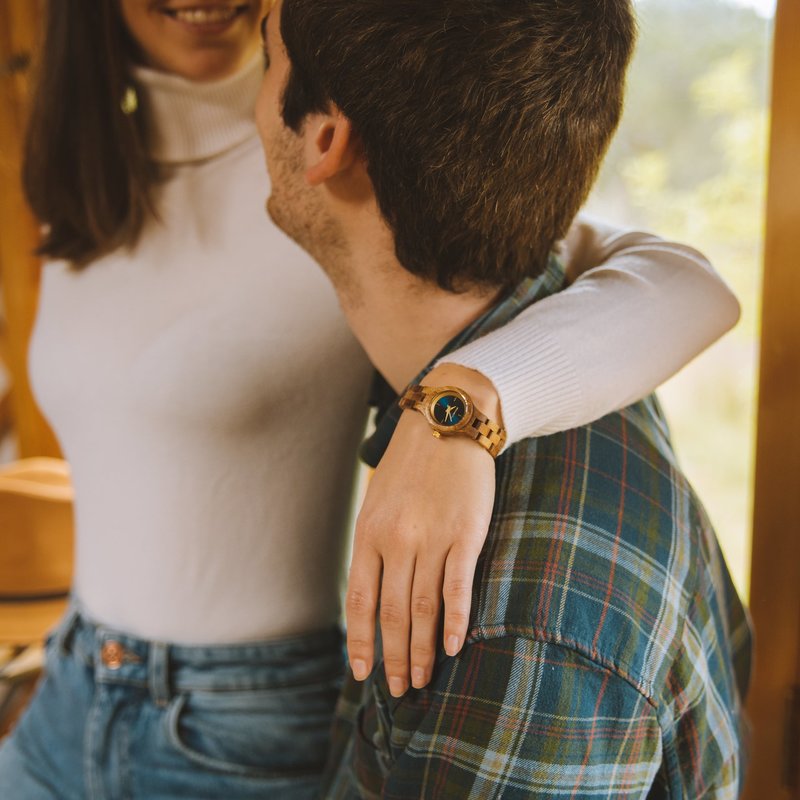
[205, 16]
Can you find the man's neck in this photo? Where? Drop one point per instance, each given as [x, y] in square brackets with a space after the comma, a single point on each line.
[403, 322]
[402, 332]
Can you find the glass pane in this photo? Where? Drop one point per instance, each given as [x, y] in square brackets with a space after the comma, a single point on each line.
[689, 163]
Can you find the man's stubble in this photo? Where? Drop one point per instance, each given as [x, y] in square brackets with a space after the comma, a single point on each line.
[299, 211]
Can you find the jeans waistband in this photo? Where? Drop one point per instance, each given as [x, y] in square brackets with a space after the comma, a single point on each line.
[166, 669]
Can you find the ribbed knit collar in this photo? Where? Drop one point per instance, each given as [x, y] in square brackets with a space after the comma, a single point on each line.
[191, 121]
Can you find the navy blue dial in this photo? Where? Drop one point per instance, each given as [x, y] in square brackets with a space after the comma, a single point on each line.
[449, 409]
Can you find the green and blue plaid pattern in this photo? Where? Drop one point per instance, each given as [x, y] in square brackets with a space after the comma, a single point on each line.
[608, 653]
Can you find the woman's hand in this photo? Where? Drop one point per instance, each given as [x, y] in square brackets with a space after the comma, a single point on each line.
[418, 537]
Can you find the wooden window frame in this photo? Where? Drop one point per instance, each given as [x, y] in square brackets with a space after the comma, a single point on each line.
[774, 702]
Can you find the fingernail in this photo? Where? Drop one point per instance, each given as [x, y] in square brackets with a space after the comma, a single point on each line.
[397, 686]
[418, 677]
[451, 645]
[359, 668]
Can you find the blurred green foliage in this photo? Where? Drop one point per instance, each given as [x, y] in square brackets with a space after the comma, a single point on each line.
[689, 163]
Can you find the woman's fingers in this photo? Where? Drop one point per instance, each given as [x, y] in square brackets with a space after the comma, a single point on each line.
[411, 586]
[426, 603]
[428, 504]
[361, 604]
[395, 620]
[459, 572]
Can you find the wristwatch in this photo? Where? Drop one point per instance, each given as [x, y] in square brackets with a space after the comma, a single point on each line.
[450, 411]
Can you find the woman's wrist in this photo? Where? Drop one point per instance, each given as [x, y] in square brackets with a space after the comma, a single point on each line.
[474, 383]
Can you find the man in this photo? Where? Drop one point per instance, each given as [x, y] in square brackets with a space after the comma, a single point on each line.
[430, 155]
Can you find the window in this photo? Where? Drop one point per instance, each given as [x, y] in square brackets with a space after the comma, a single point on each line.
[689, 163]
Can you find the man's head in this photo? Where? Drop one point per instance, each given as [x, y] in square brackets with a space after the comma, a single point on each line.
[480, 124]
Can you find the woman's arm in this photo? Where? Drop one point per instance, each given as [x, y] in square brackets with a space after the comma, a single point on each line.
[639, 308]
[619, 331]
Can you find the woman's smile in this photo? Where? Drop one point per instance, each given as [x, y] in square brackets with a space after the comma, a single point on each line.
[196, 39]
[206, 19]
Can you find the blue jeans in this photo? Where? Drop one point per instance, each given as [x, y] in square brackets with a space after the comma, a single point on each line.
[119, 718]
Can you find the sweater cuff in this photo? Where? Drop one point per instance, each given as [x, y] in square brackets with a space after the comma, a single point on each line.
[538, 388]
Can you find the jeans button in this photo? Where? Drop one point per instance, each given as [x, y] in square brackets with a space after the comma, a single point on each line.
[112, 654]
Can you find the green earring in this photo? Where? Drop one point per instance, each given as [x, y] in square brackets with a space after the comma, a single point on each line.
[130, 101]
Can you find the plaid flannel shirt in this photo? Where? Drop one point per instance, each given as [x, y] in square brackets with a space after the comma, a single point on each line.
[608, 653]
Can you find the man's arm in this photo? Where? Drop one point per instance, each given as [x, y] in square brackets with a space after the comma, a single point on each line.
[516, 718]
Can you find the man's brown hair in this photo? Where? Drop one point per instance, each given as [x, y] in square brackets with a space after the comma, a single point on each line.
[483, 122]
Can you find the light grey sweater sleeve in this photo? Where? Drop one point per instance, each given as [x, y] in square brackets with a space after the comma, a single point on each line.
[639, 308]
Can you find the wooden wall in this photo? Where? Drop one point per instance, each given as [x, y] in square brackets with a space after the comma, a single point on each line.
[18, 268]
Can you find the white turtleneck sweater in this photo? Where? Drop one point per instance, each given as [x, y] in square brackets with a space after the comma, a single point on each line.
[209, 397]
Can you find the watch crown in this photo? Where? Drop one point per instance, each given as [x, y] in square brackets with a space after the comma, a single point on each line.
[436, 434]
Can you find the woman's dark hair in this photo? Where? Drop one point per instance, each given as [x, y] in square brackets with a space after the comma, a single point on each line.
[483, 122]
[85, 169]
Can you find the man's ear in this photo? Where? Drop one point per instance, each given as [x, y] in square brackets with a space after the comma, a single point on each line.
[335, 149]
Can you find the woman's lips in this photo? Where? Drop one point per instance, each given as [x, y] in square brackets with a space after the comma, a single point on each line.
[207, 19]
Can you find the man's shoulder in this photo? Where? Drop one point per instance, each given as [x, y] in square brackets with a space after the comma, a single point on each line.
[598, 543]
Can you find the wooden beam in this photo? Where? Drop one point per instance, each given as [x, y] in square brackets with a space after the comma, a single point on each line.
[19, 270]
[775, 581]
[6, 415]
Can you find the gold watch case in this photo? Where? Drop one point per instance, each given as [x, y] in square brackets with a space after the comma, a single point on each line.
[429, 410]
[471, 421]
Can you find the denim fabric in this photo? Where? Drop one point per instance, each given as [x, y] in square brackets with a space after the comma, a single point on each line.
[118, 718]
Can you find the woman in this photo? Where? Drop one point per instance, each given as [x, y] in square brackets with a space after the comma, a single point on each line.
[210, 400]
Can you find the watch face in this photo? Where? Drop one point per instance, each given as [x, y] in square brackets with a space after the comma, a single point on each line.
[448, 410]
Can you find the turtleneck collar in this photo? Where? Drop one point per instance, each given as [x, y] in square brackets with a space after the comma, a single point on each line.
[191, 121]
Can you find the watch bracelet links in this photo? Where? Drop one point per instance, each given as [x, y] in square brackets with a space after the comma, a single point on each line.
[413, 395]
[487, 434]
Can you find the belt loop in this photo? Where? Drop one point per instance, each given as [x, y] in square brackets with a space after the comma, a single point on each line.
[62, 635]
[158, 673]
